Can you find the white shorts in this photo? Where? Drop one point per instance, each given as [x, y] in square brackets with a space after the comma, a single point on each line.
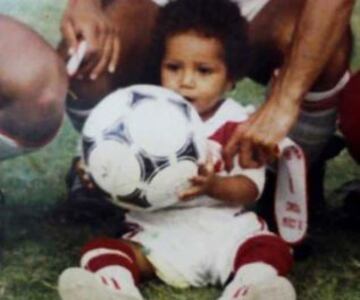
[249, 8]
[194, 246]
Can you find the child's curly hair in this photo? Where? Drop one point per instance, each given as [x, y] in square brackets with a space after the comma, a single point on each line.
[218, 19]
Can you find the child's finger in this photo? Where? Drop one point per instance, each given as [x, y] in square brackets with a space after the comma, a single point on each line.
[189, 193]
[206, 169]
[198, 180]
[210, 167]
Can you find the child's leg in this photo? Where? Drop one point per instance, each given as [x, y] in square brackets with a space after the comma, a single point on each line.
[259, 265]
[110, 270]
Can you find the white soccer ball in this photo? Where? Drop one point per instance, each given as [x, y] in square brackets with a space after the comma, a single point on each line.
[141, 145]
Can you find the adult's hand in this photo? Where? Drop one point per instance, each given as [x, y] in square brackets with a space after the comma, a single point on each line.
[86, 20]
[255, 141]
[320, 26]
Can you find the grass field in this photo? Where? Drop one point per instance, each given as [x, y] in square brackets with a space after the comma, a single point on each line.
[36, 248]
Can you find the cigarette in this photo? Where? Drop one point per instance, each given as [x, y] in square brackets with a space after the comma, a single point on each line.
[77, 58]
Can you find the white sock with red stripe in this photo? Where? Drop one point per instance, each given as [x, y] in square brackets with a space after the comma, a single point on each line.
[255, 272]
[113, 262]
[258, 281]
[117, 277]
[108, 272]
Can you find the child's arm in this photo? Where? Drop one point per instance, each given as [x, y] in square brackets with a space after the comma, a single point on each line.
[234, 190]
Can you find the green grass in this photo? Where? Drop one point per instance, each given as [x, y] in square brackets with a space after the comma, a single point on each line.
[37, 247]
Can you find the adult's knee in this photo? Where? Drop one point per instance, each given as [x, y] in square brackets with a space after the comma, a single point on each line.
[33, 86]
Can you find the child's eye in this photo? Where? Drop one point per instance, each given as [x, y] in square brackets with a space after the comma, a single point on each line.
[172, 67]
[205, 70]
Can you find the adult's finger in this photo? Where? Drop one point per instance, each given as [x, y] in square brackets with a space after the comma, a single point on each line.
[233, 145]
[274, 150]
[69, 34]
[229, 152]
[89, 63]
[266, 153]
[104, 60]
[247, 155]
[262, 155]
[114, 60]
[90, 35]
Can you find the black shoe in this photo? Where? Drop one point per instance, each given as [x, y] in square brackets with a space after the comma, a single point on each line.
[84, 205]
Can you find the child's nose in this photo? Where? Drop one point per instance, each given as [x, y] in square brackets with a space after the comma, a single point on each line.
[188, 79]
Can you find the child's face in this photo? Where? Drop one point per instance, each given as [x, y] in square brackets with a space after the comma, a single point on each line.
[193, 67]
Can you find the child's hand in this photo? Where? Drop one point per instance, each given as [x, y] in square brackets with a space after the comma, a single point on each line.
[200, 184]
[84, 176]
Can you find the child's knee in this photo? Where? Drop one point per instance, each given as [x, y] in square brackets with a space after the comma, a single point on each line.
[102, 252]
[268, 249]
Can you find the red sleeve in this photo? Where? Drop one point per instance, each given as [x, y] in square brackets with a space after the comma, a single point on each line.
[223, 134]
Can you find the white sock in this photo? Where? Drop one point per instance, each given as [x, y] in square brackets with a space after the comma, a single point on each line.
[251, 276]
[254, 273]
[116, 275]
[114, 267]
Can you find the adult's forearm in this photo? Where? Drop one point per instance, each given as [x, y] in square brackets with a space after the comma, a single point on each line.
[319, 30]
[80, 3]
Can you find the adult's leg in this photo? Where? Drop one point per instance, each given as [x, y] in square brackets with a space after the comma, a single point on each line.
[33, 86]
[271, 34]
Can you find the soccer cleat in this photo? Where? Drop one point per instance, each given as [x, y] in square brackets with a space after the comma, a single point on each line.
[275, 288]
[80, 284]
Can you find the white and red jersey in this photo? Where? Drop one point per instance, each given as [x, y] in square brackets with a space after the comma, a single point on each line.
[182, 241]
[219, 128]
[248, 8]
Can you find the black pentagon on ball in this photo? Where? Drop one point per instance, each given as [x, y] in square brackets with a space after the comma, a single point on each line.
[150, 165]
[118, 132]
[147, 166]
[188, 151]
[139, 98]
[136, 198]
[182, 107]
[88, 144]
